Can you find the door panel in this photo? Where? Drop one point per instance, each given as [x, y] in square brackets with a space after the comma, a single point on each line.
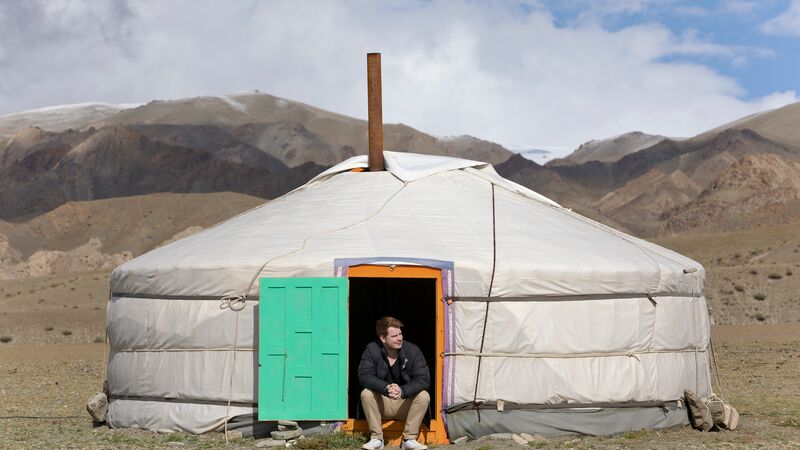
[302, 357]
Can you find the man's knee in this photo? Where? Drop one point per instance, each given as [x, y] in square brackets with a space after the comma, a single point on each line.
[367, 396]
[422, 397]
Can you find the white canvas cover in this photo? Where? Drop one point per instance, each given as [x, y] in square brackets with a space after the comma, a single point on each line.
[579, 313]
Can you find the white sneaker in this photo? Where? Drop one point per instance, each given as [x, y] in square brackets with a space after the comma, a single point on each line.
[412, 444]
[373, 444]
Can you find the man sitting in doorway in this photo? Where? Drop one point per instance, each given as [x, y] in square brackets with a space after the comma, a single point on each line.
[395, 378]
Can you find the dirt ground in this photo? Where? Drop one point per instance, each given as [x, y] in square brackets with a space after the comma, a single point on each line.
[52, 353]
[44, 389]
[753, 276]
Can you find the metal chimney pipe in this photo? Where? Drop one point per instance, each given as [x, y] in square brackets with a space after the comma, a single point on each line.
[375, 113]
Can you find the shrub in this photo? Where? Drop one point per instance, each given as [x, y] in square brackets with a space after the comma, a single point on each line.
[66, 333]
[761, 317]
[753, 272]
[788, 272]
[738, 288]
[759, 296]
[98, 340]
[774, 276]
[6, 339]
[48, 329]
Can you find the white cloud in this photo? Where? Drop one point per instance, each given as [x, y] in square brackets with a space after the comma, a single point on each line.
[691, 11]
[787, 23]
[738, 7]
[449, 68]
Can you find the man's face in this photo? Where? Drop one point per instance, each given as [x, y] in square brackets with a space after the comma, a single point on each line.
[393, 339]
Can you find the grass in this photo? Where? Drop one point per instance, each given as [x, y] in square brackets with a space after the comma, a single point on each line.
[332, 440]
[632, 435]
[174, 437]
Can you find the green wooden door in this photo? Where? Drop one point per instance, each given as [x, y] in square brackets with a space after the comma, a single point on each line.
[302, 355]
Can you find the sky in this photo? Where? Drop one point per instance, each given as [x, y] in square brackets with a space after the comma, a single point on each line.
[525, 74]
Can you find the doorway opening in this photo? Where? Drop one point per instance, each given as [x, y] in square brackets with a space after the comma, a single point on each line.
[411, 300]
[411, 294]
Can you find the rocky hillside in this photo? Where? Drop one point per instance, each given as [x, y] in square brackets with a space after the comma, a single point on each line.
[251, 143]
[296, 133]
[609, 150]
[58, 118]
[51, 169]
[101, 234]
[261, 145]
[756, 190]
[683, 185]
[779, 125]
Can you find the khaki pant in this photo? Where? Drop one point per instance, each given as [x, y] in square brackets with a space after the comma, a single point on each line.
[378, 407]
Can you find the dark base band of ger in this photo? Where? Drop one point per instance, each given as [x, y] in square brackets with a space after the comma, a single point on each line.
[558, 422]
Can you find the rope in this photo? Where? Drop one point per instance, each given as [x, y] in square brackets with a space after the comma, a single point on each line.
[715, 367]
[568, 356]
[696, 279]
[182, 350]
[494, 245]
[235, 303]
[486, 314]
[41, 417]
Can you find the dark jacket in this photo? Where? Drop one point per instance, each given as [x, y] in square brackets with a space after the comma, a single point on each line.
[373, 370]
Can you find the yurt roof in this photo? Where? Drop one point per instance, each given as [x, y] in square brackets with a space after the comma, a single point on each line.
[449, 209]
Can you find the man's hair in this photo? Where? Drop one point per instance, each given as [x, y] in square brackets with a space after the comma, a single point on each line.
[383, 324]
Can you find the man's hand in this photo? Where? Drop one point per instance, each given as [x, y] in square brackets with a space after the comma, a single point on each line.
[393, 391]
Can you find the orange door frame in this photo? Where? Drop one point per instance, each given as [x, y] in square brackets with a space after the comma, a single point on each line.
[436, 433]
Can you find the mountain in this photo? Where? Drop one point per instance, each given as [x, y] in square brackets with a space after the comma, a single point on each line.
[565, 190]
[251, 143]
[58, 118]
[778, 125]
[640, 203]
[761, 189]
[669, 186]
[609, 150]
[294, 132]
[118, 161]
[261, 145]
[100, 234]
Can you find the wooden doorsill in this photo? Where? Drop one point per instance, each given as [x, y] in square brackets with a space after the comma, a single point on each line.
[393, 431]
